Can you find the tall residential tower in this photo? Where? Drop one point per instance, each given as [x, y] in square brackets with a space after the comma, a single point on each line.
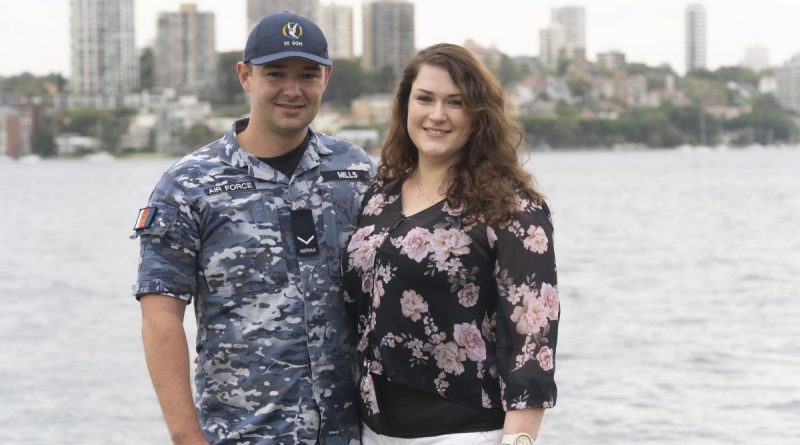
[104, 58]
[336, 21]
[788, 79]
[388, 36]
[257, 9]
[572, 20]
[184, 54]
[695, 37]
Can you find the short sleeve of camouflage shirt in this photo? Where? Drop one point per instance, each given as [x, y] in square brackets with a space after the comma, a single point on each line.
[168, 245]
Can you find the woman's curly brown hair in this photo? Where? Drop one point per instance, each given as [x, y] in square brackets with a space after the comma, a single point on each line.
[488, 174]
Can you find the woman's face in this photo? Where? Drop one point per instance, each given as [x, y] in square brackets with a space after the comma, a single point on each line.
[438, 123]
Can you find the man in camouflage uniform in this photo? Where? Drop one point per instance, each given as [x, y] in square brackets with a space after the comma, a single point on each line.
[252, 228]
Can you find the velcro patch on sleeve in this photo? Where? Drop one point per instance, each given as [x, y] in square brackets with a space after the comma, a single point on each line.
[345, 175]
[145, 218]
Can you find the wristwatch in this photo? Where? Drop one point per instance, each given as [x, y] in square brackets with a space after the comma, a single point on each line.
[517, 439]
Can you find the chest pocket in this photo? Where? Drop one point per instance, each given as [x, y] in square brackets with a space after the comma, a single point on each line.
[243, 247]
[342, 200]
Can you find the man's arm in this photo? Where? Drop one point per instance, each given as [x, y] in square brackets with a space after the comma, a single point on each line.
[167, 357]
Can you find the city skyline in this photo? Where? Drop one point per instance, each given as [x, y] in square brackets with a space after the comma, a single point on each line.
[651, 31]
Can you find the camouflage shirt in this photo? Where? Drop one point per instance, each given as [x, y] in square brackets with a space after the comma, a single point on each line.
[260, 255]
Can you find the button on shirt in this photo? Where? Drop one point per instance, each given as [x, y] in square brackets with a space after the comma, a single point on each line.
[275, 365]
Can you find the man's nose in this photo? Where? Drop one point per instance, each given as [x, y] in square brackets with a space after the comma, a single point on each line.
[292, 87]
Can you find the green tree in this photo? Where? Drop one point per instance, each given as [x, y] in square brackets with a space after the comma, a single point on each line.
[26, 84]
[230, 90]
[42, 142]
[766, 123]
[147, 79]
[509, 72]
[106, 125]
[383, 80]
[347, 82]
[580, 87]
[197, 135]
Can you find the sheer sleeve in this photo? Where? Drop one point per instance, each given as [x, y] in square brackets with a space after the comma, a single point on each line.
[528, 307]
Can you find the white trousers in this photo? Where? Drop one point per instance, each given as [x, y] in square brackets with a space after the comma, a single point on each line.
[369, 437]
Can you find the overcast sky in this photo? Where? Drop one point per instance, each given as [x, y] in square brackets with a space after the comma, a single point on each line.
[35, 34]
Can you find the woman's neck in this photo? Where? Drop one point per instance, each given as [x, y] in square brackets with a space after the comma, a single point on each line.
[432, 177]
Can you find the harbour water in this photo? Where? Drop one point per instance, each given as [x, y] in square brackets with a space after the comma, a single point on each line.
[679, 273]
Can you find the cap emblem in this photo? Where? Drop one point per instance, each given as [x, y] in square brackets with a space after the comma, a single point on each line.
[293, 30]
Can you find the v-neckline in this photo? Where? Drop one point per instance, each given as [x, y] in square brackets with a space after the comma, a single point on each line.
[420, 211]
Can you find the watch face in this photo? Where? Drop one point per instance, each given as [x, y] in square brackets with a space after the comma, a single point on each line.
[523, 439]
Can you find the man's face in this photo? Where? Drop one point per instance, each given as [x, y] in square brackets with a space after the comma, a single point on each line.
[286, 94]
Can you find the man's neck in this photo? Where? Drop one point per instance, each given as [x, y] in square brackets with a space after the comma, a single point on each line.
[267, 144]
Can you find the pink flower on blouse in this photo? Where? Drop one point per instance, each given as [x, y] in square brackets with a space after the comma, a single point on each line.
[516, 293]
[377, 292]
[545, 358]
[358, 238]
[366, 283]
[536, 241]
[375, 205]
[485, 400]
[412, 305]
[468, 295]
[449, 357]
[450, 242]
[531, 317]
[468, 336]
[491, 236]
[549, 294]
[368, 394]
[416, 243]
[362, 257]
[453, 211]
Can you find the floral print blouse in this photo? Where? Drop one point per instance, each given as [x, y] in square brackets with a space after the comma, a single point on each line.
[466, 311]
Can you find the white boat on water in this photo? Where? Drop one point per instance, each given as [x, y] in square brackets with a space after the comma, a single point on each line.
[30, 159]
[100, 156]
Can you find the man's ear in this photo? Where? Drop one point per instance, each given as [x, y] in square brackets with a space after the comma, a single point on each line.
[244, 72]
[328, 70]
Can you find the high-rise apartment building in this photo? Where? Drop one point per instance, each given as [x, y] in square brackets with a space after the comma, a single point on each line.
[612, 60]
[336, 21]
[788, 84]
[756, 58]
[572, 19]
[257, 9]
[104, 58]
[388, 36]
[185, 55]
[695, 37]
[551, 46]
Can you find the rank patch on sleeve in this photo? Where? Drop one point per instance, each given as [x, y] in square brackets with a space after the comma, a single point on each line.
[145, 218]
[345, 175]
[305, 234]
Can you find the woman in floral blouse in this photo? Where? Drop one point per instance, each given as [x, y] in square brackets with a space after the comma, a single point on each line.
[451, 273]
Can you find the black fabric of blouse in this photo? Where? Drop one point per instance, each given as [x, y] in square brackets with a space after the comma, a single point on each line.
[410, 413]
[453, 324]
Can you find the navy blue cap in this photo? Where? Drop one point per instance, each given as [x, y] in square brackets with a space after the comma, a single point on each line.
[283, 35]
